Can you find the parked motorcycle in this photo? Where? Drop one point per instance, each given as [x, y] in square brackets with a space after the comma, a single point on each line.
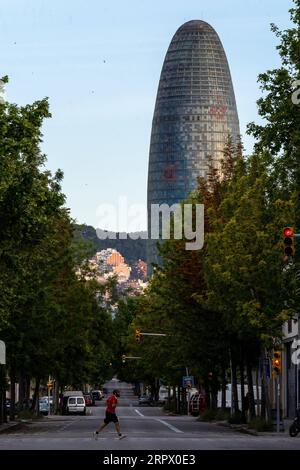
[295, 427]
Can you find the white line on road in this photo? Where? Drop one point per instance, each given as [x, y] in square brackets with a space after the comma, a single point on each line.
[139, 413]
[168, 425]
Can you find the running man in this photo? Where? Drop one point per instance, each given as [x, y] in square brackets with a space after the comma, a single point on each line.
[110, 415]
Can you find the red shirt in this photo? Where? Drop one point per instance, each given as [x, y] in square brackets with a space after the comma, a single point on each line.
[111, 402]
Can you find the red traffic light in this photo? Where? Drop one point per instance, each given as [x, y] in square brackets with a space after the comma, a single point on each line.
[288, 241]
[288, 232]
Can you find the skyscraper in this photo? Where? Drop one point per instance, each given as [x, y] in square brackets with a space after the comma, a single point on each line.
[195, 111]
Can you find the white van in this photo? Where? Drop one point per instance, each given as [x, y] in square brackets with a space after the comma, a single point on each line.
[163, 394]
[76, 407]
[76, 404]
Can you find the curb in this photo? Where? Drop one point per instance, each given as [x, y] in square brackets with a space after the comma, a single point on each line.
[245, 430]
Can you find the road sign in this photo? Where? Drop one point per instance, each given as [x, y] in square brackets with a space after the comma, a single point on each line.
[2, 353]
[187, 381]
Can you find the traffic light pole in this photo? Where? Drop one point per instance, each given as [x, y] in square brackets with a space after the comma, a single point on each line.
[124, 358]
[153, 334]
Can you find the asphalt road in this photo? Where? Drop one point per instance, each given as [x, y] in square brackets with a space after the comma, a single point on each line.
[145, 427]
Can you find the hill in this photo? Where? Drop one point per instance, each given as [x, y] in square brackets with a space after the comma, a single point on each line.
[132, 250]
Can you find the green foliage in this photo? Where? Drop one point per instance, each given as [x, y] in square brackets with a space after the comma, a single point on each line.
[52, 321]
[131, 249]
[222, 415]
[28, 415]
[236, 418]
[208, 415]
[261, 425]
[279, 133]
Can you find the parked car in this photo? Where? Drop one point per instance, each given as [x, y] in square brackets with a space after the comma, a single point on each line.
[97, 395]
[46, 398]
[43, 406]
[145, 400]
[163, 394]
[74, 404]
[7, 404]
[65, 397]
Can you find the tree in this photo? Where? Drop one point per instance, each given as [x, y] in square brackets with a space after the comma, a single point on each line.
[51, 320]
[280, 132]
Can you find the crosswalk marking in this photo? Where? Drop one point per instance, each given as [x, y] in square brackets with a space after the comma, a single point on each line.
[170, 426]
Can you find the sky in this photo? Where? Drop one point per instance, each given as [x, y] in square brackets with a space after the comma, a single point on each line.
[99, 64]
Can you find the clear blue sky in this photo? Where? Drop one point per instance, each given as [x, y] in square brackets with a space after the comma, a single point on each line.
[99, 63]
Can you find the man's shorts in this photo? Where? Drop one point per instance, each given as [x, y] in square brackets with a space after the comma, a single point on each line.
[110, 418]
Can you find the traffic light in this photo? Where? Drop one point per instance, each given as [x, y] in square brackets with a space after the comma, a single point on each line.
[277, 362]
[138, 335]
[288, 241]
[123, 358]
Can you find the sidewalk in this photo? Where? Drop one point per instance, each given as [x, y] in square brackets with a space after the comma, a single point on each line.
[245, 430]
[4, 427]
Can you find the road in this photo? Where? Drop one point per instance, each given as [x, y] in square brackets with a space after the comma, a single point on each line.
[147, 428]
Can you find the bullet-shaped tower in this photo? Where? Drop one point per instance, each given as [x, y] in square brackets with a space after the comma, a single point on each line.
[195, 111]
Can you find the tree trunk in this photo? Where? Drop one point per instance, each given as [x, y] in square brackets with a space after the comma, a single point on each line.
[35, 400]
[156, 389]
[235, 397]
[175, 399]
[12, 410]
[214, 400]
[265, 401]
[223, 400]
[244, 417]
[56, 397]
[257, 393]
[250, 391]
[27, 389]
[22, 391]
[179, 404]
[184, 399]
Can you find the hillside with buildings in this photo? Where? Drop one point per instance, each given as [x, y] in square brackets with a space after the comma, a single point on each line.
[132, 250]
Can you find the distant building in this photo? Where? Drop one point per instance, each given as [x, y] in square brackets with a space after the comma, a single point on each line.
[110, 262]
[115, 259]
[107, 259]
[122, 270]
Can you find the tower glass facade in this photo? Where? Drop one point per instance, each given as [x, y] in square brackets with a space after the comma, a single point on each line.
[195, 111]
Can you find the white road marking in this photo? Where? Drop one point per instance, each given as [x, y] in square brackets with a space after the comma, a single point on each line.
[168, 425]
[139, 413]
